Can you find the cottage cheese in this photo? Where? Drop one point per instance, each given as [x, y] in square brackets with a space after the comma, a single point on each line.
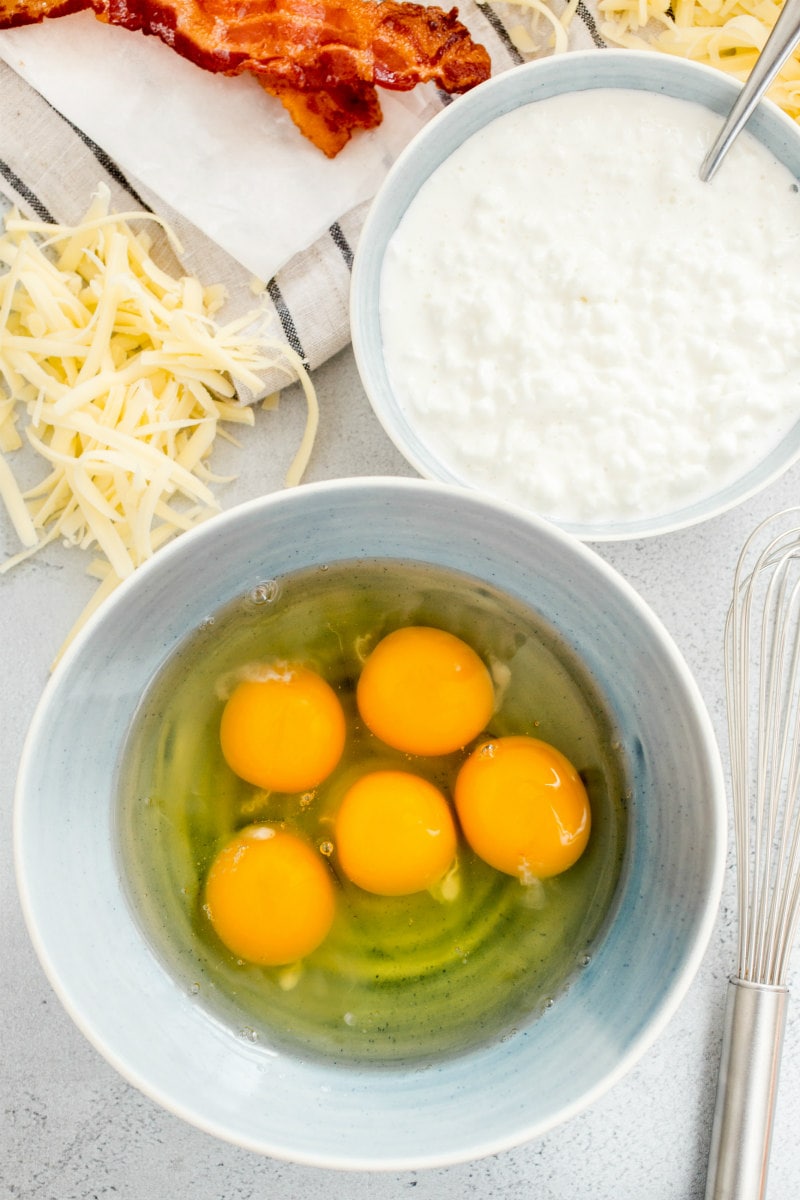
[573, 321]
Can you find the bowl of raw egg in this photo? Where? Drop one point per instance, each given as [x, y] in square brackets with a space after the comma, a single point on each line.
[549, 306]
[375, 824]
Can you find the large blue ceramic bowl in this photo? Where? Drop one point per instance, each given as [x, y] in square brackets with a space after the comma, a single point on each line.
[152, 1028]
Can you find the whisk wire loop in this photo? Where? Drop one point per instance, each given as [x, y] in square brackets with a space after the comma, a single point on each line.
[762, 684]
[778, 768]
[788, 885]
[762, 670]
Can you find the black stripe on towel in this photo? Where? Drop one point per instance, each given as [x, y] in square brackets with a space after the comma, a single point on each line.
[286, 320]
[106, 162]
[25, 192]
[589, 22]
[501, 31]
[341, 243]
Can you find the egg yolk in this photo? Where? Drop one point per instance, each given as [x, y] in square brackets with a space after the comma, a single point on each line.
[522, 807]
[284, 732]
[394, 833]
[425, 691]
[269, 896]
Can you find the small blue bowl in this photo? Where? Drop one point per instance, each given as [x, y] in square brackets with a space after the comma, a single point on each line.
[579, 71]
[153, 1030]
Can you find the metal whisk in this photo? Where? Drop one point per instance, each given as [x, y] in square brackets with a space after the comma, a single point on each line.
[762, 677]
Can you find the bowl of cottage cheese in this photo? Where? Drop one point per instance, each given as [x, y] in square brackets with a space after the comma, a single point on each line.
[549, 306]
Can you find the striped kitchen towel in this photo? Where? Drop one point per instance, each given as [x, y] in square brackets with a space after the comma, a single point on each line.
[49, 169]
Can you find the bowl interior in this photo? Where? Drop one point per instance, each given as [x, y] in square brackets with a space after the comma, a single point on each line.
[151, 1028]
[574, 72]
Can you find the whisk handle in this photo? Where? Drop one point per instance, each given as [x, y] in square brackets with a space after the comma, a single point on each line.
[755, 1021]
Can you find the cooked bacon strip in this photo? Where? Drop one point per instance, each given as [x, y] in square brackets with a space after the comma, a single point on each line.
[414, 44]
[329, 116]
[321, 58]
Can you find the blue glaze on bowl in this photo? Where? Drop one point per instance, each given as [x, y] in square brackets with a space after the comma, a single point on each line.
[573, 72]
[164, 1042]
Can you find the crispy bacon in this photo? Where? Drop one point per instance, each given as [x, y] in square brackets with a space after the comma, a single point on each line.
[322, 58]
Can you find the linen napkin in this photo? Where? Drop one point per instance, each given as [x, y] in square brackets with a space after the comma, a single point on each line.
[49, 167]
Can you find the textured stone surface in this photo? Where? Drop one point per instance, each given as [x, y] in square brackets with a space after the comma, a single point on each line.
[72, 1129]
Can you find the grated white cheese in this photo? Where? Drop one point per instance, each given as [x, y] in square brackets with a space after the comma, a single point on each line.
[728, 35]
[547, 30]
[126, 379]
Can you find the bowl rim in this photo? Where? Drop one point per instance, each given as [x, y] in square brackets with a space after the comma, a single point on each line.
[364, 304]
[188, 544]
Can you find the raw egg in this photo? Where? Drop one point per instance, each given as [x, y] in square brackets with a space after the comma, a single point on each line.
[425, 691]
[394, 833]
[522, 807]
[284, 732]
[269, 896]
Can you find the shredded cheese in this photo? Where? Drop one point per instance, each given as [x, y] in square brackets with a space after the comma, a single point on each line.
[547, 29]
[126, 379]
[727, 34]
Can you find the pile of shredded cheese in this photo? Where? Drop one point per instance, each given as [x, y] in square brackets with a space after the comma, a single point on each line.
[546, 30]
[126, 379]
[727, 34]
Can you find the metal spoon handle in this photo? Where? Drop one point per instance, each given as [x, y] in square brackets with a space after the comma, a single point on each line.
[755, 1020]
[777, 48]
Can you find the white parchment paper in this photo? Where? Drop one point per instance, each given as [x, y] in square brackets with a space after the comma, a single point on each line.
[219, 150]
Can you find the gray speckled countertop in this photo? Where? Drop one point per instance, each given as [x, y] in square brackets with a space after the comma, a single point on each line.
[72, 1129]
